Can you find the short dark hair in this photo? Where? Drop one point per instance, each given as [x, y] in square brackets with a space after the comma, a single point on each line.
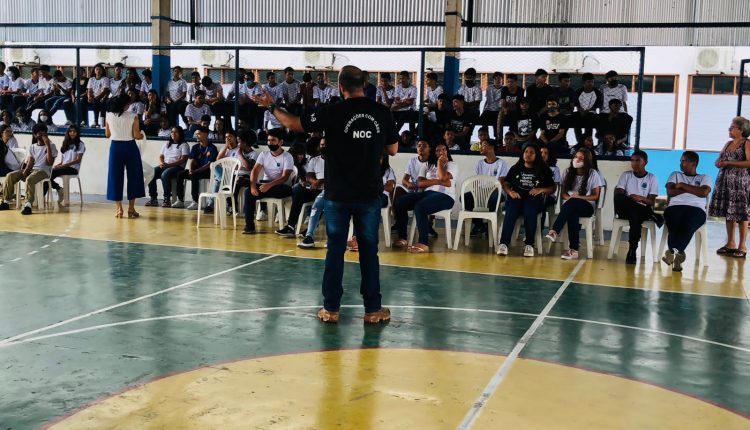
[432, 75]
[248, 136]
[691, 156]
[552, 98]
[615, 102]
[206, 81]
[194, 74]
[206, 118]
[540, 72]
[442, 96]
[200, 93]
[471, 71]
[288, 69]
[563, 75]
[173, 68]
[122, 66]
[306, 77]
[404, 73]
[610, 74]
[269, 74]
[250, 75]
[146, 73]
[230, 131]
[202, 129]
[496, 74]
[587, 77]
[511, 76]
[386, 76]
[57, 73]
[277, 133]
[44, 68]
[640, 153]
[483, 128]
[350, 78]
[459, 97]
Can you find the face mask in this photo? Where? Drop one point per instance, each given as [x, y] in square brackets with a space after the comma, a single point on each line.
[613, 83]
[273, 148]
[553, 110]
[577, 163]
[43, 118]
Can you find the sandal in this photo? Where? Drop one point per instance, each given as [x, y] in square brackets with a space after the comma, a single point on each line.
[738, 253]
[118, 213]
[401, 243]
[133, 214]
[418, 249]
[725, 250]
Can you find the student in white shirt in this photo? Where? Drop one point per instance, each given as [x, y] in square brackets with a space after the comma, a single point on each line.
[136, 106]
[97, 91]
[404, 103]
[175, 97]
[14, 86]
[172, 160]
[272, 88]
[384, 93]
[302, 192]
[72, 151]
[4, 81]
[411, 175]
[277, 166]
[433, 91]
[31, 90]
[248, 92]
[291, 92]
[117, 82]
[438, 179]
[152, 113]
[322, 92]
[492, 104]
[59, 90]
[8, 160]
[146, 84]
[316, 178]
[23, 121]
[215, 97]
[38, 166]
[247, 141]
[38, 92]
[581, 187]
[194, 86]
[635, 195]
[613, 90]
[493, 166]
[471, 91]
[196, 110]
[686, 211]
[165, 129]
[45, 118]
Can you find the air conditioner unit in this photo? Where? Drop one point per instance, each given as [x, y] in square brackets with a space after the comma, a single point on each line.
[434, 60]
[209, 57]
[714, 60]
[566, 61]
[319, 59]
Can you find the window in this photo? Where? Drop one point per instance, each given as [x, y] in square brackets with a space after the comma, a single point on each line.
[724, 85]
[665, 84]
[702, 85]
[648, 84]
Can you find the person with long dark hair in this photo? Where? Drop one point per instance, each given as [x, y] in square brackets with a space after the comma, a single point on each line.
[174, 155]
[97, 92]
[72, 151]
[581, 187]
[8, 160]
[438, 180]
[123, 127]
[526, 185]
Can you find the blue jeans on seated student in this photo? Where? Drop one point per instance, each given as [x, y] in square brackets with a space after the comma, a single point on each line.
[570, 212]
[54, 104]
[423, 204]
[682, 222]
[277, 192]
[315, 212]
[166, 176]
[366, 216]
[529, 207]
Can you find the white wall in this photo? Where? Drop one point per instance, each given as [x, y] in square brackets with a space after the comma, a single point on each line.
[94, 168]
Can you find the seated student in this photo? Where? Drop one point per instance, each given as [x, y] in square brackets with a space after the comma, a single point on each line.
[615, 122]
[411, 175]
[437, 120]
[438, 179]
[195, 111]
[15, 86]
[32, 89]
[165, 128]
[219, 131]
[550, 159]
[45, 118]
[215, 97]
[230, 150]
[471, 92]
[8, 160]
[635, 195]
[322, 91]
[405, 141]
[6, 118]
[316, 177]
[194, 86]
[303, 191]
[389, 184]
[508, 144]
[72, 151]
[145, 85]
[97, 92]
[202, 154]
[38, 166]
[291, 93]
[461, 121]
[588, 101]
[580, 193]
[277, 165]
[525, 185]
[493, 95]
[484, 135]
[610, 148]
[524, 123]
[588, 143]
[404, 103]
[246, 140]
[175, 98]
[686, 211]
[554, 126]
[23, 121]
[493, 166]
[174, 154]
[136, 105]
[59, 90]
[152, 113]
[385, 91]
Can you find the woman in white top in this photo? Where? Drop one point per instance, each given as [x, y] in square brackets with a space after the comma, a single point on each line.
[438, 179]
[123, 128]
[580, 192]
[72, 153]
[8, 160]
[174, 155]
[97, 92]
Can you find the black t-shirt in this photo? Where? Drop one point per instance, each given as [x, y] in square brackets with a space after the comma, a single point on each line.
[619, 125]
[523, 179]
[356, 131]
[524, 124]
[457, 123]
[551, 125]
[538, 96]
[566, 99]
[511, 99]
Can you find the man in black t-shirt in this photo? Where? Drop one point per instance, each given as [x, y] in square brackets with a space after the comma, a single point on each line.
[538, 92]
[461, 121]
[554, 128]
[524, 124]
[357, 132]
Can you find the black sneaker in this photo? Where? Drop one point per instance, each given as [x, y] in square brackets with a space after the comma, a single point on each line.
[307, 243]
[208, 209]
[4, 206]
[249, 229]
[433, 233]
[152, 202]
[659, 220]
[478, 230]
[287, 231]
[631, 257]
[679, 258]
[26, 210]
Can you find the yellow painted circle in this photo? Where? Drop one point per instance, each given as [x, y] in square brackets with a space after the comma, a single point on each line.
[396, 389]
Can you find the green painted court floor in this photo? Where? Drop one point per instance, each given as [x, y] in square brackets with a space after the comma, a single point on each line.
[121, 328]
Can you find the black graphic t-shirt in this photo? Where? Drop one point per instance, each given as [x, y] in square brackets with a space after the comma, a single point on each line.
[550, 126]
[511, 99]
[524, 124]
[522, 179]
[356, 132]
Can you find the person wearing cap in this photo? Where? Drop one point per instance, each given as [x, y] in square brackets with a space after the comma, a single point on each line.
[471, 91]
[538, 92]
[613, 90]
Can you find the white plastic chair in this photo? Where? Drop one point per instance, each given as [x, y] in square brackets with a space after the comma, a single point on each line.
[229, 166]
[302, 216]
[277, 207]
[701, 243]
[648, 232]
[537, 235]
[481, 188]
[587, 225]
[445, 216]
[385, 221]
[66, 188]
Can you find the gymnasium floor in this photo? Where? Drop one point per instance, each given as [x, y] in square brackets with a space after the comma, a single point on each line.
[152, 324]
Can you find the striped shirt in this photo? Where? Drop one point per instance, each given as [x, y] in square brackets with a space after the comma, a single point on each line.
[276, 92]
[620, 92]
[195, 113]
[471, 94]
[177, 89]
[492, 95]
[409, 92]
[290, 90]
[432, 95]
[324, 94]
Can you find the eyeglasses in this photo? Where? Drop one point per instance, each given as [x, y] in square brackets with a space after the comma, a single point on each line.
[732, 127]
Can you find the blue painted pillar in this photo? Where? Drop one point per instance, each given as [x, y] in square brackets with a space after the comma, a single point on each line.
[451, 81]
[161, 28]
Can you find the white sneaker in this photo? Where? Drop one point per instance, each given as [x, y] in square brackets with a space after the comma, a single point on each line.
[502, 249]
[528, 251]
[60, 195]
[192, 207]
[179, 204]
[261, 216]
[570, 254]
[552, 236]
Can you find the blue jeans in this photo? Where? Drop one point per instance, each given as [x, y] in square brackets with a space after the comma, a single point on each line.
[54, 104]
[366, 217]
[529, 207]
[424, 204]
[682, 222]
[166, 176]
[315, 213]
[570, 212]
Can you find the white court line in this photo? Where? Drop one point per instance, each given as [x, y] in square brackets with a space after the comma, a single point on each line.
[55, 240]
[15, 259]
[32, 252]
[137, 299]
[45, 246]
[502, 372]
